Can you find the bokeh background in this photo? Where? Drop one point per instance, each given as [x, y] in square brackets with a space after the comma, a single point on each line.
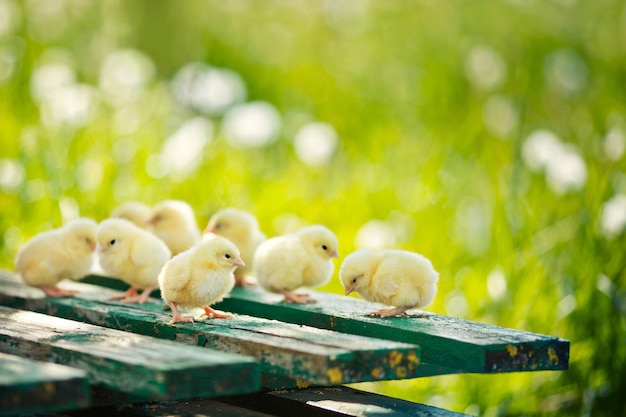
[487, 135]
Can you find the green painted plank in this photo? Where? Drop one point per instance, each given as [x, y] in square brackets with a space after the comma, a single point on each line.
[303, 354]
[28, 386]
[449, 345]
[139, 366]
[190, 408]
[333, 402]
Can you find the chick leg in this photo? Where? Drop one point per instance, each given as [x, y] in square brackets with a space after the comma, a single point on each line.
[292, 297]
[176, 317]
[131, 292]
[243, 281]
[398, 311]
[215, 314]
[54, 291]
[139, 299]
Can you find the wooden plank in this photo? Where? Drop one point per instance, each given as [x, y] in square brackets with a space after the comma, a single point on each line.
[140, 366]
[305, 355]
[333, 402]
[28, 386]
[190, 408]
[449, 345]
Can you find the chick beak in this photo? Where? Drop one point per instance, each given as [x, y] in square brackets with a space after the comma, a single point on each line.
[349, 289]
[334, 254]
[208, 230]
[238, 262]
[100, 248]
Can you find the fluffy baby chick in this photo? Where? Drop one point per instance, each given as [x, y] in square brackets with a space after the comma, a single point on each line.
[49, 257]
[133, 255]
[241, 228]
[173, 222]
[200, 276]
[392, 277]
[304, 258]
[136, 212]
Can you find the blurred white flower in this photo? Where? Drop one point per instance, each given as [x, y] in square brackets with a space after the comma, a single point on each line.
[614, 144]
[500, 116]
[46, 80]
[251, 125]
[485, 68]
[315, 143]
[69, 209]
[124, 76]
[565, 71]
[73, 105]
[456, 304]
[12, 174]
[376, 234]
[208, 89]
[566, 170]
[89, 174]
[182, 151]
[10, 17]
[539, 148]
[613, 216]
[496, 284]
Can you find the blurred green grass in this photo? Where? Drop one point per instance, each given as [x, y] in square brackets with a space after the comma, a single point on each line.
[432, 102]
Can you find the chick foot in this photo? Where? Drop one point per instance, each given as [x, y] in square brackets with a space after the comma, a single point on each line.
[139, 299]
[176, 317]
[297, 298]
[215, 314]
[55, 291]
[394, 312]
[244, 281]
[128, 294]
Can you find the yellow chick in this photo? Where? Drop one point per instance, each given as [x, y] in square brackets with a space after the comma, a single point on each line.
[173, 221]
[49, 257]
[133, 255]
[136, 212]
[200, 276]
[304, 258]
[393, 277]
[241, 228]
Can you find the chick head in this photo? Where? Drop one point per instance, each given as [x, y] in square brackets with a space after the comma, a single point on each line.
[80, 234]
[323, 241]
[232, 223]
[357, 269]
[217, 253]
[136, 212]
[171, 215]
[113, 234]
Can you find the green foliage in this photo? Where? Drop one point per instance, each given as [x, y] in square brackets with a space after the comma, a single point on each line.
[433, 104]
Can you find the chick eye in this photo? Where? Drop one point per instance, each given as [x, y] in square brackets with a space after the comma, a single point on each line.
[354, 280]
[227, 256]
[324, 247]
[112, 242]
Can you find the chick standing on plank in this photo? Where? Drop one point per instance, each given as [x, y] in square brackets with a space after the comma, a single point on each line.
[241, 228]
[392, 277]
[136, 212]
[133, 255]
[49, 257]
[199, 277]
[173, 222]
[304, 258]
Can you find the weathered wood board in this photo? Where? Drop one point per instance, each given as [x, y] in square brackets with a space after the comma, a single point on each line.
[333, 402]
[190, 408]
[28, 386]
[140, 366]
[449, 345]
[306, 355]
